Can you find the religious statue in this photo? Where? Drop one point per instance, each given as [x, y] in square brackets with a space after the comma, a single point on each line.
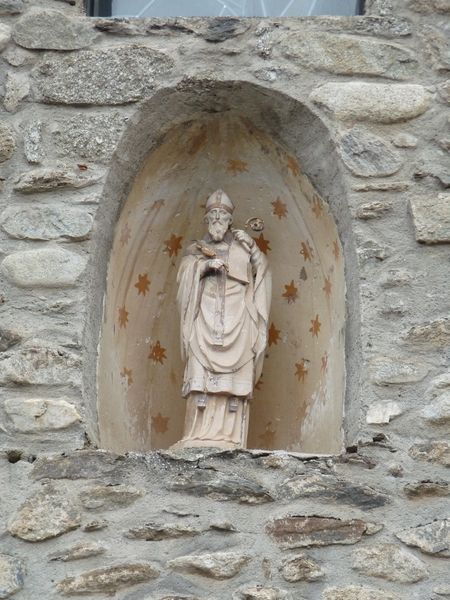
[224, 299]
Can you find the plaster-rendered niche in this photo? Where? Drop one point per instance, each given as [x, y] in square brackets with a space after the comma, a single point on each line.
[298, 403]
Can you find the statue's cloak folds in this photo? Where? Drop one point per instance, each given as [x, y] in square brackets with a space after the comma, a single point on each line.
[224, 320]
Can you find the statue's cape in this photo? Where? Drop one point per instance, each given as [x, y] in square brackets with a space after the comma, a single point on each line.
[257, 281]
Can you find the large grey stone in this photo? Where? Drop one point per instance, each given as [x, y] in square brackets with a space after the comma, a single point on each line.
[93, 138]
[37, 414]
[354, 592]
[32, 142]
[430, 335]
[435, 452]
[107, 497]
[430, 6]
[7, 142]
[301, 568]
[5, 36]
[298, 531]
[44, 267]
[46, 514]
[153, 532]
[11, 7]
[331, 488]
[260, 592]
[218, 565]
[17, 88]
[348, 55]
[11, 575]
[85, 464]
[373, 210]
[44, 29]
[381, 413]
[367, 155]
[431, 218]
[108, 579]
[46, 179]
[40, 364]
[388, 371]
[8, 338]
[115, 75]
[437, 411]
[221, 486]
[390, 562]
[427, 488]
[79, 551]
[433, 538]
[47, 223]
[373, 102]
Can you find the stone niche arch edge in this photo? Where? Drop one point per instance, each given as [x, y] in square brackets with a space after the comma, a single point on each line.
[289, 122]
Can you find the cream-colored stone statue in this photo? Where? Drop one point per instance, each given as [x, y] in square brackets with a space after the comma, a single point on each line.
[224, 300]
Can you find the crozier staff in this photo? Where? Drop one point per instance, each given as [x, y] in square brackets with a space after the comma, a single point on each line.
[224, 298]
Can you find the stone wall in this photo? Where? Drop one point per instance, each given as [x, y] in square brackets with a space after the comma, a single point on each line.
[75, 127]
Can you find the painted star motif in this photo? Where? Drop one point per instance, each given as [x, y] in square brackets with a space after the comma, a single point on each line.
[306, 250]
[303, 274]
[291, 292]
[128, 375]
[315, 326]
[123, 316]
[274, 335]
[125, 235]
[293, 166]
[327, 286]
[279, 208]
[336, 249]
[267, 438]
[160, 423]
[173, 245]
[324, 366]
[236, 166]
[157, 353]
[301, 370]
[317, 206]
[260, 383]
[142, 284]
[263, 244]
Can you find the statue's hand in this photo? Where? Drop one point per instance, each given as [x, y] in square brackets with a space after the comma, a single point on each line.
[244, 238]
[215, 264]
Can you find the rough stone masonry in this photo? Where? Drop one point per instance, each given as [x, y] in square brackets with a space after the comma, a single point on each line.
[370, 524]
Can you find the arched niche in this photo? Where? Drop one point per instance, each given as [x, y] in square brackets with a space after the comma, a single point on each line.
[275, 159]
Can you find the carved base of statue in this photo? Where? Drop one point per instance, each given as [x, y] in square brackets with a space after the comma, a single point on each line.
[216, 421]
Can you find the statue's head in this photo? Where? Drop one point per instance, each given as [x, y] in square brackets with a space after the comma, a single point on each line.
[218, 215]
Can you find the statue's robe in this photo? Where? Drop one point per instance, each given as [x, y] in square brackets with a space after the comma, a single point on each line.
[224, 319]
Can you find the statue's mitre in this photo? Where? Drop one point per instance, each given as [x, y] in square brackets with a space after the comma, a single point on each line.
[219, 200]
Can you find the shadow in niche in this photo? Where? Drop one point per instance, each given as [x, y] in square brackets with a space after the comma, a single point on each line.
[298, 403]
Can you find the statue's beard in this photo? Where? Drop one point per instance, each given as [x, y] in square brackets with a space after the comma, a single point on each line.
[217, 231]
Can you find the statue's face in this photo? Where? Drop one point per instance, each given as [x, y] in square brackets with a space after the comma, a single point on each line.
[218, 221]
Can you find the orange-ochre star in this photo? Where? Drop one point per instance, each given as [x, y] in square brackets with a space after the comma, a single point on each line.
[142, 284]
[324, 366]
[123, 316]
[315, 326]
[157, 353]
[291, 292]
[128, 375]
[317, 206]
[236, 166]
[173, 245]
[125, 235]
[336, 250]
[263, 244]
[301, 370]
[293, 166]
[279, 208]
[267, 438]
[306, 250]
[327, 286]
[160, 423]
[274, 335]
